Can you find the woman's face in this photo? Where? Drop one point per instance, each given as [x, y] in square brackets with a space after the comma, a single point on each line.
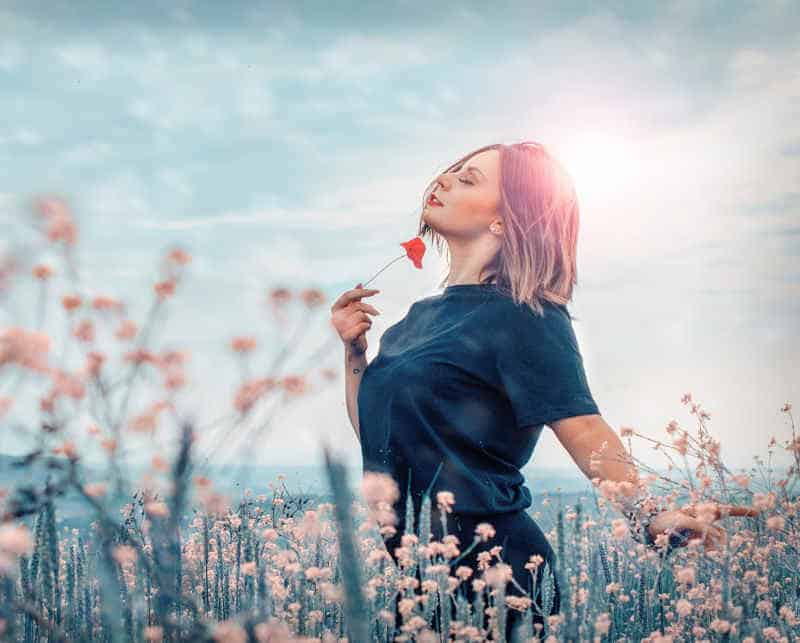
[470, 197]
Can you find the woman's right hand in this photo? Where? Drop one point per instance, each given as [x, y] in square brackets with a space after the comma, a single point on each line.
[349, 316]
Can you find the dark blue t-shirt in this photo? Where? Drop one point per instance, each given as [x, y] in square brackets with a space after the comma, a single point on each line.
[466, 380]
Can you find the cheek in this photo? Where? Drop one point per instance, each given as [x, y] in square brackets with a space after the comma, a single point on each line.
[476, 205]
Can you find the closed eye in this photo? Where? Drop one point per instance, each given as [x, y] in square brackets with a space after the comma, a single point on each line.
[467, 182]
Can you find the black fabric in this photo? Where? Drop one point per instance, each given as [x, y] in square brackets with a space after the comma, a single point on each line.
[463, 384]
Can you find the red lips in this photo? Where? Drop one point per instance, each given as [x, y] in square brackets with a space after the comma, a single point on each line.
[434, 200]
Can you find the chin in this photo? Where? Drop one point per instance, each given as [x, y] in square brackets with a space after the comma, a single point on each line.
[431, 221]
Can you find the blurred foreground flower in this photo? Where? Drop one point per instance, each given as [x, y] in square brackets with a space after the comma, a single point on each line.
[58, 220]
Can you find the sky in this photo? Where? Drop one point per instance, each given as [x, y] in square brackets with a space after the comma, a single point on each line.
[289, 144]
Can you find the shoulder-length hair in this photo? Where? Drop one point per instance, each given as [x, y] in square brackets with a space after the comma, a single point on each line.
[539, 210]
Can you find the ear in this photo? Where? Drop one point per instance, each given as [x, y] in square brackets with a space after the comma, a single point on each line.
[496, 226]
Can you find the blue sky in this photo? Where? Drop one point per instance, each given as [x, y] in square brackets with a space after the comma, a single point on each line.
[289, 144]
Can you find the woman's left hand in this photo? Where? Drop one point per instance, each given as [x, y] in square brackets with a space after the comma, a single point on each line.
[686, 520]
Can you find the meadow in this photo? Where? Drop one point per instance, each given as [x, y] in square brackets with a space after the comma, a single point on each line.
[159, 552]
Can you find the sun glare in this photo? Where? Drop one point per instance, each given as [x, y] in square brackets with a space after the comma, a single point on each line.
[601, 165]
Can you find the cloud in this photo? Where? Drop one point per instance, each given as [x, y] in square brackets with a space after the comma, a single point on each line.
[92, 60]
[368, 204]
[87, 153]
[120, 197]
[24, 136]
[11, 55]
[355, 56]
[176, 180]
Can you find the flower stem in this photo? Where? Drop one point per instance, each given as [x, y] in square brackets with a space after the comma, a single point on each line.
[382, 269]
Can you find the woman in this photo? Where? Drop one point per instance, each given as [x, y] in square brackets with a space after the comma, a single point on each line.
[461, 387]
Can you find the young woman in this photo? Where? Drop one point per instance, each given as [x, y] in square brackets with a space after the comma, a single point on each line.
[461, 387]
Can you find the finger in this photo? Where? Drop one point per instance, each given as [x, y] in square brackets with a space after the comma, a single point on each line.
[359, 316]
[750, 511]
[355, 332]
[353, 295]
[717, 538]
[360, 306]
[367, 307]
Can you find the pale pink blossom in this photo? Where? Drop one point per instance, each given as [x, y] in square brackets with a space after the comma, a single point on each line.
[685, 575]
[742, 479]
[683, 607]
[103, 302]
[165, 288]
[95, 489]
[484, 531]
[619, 528]
[156, 508]
[16, 539]
[445, 501]
[71, 302]
[775, 523]
[229, 632]
[84, 331]
[379, 487]
[68, 384]
[5, 404]
[720, 626]
[602, 623]
[26, 348]
[42, 272]
[124, 555]
[126, 330]
[250, 392]
[94, 362]
[243, 344]
[294, 384]
[178, 256]
[59, 222]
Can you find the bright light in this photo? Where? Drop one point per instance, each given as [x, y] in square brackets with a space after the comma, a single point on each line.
[604, 167]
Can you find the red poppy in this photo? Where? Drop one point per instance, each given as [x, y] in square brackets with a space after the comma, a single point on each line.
[415, 248]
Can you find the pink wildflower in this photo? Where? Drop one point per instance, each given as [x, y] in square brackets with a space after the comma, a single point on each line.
[103, 302]
[126, 330]
[26, 348]
[71, 302]
[84, 331]
[445, 501]
[95, 489]
[498, 575]
[42, 272]
[124, 555]
[243, 344]
[250, 392]
[484, 531]
[16, 539]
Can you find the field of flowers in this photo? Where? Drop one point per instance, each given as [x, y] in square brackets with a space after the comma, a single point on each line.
[167, 556]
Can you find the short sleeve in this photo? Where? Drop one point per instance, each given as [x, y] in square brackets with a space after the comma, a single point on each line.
[540, 368]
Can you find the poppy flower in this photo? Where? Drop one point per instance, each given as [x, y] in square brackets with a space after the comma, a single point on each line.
[415, 249]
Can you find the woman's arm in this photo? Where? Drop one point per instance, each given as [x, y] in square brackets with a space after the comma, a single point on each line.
[583, 434]
[354, 365]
